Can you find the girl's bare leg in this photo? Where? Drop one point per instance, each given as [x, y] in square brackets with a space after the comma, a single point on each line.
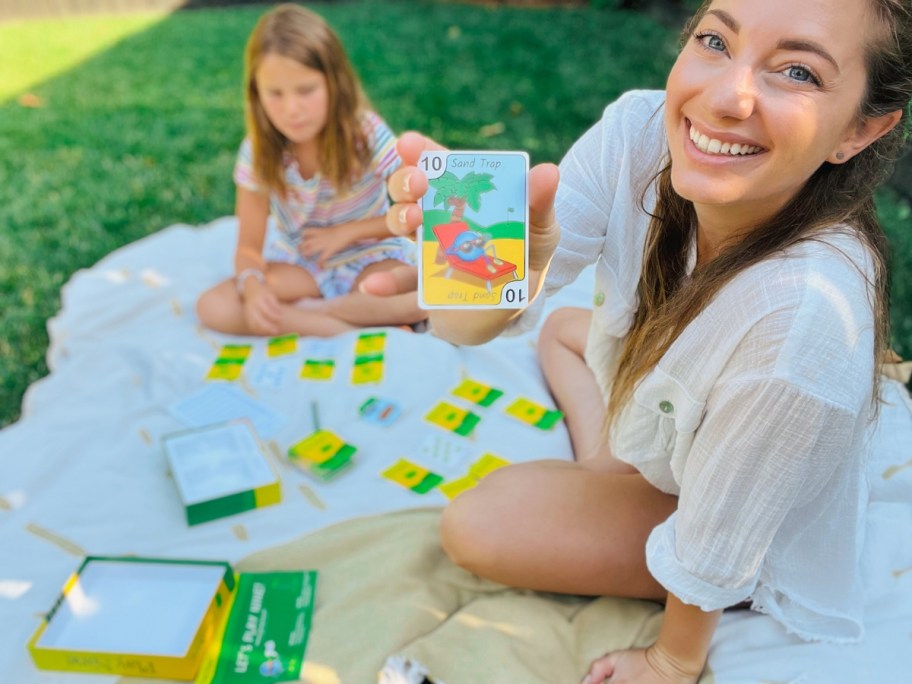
[558, 526]
[561, 349]
[362, 309]
[221, 308]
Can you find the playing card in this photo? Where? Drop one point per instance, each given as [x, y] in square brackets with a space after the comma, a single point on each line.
[473, 245]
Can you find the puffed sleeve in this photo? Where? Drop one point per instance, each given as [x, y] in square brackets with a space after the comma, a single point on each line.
[385, 159]
[602, 180]
[244, 176]
[766, 448]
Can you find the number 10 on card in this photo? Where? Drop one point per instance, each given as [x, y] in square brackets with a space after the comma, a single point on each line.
[474, 243]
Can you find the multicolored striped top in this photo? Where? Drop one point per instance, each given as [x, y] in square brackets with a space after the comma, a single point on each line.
[314, 202]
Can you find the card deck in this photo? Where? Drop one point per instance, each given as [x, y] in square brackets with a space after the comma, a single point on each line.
[474, 244]
[323, 455]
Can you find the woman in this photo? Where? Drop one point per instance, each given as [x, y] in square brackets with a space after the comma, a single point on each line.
[733, 350]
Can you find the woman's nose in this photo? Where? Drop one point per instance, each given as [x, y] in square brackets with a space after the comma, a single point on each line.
[733, 93]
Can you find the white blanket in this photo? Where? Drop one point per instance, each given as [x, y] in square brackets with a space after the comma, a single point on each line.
[83, 472]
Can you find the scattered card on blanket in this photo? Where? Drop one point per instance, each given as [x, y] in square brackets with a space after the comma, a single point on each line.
[479, 470]
[323, 454]
[230, 362]
[534, 414]
[474, 244]
[379, 411]
[317, 369]
[282, 345]
[453, 418]
[221, 403]
[443, 453]
[477, 393]
[411, 476]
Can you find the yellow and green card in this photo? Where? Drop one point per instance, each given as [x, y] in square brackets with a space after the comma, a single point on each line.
[534, 414]
[412, 476]
[230, 362]
[452, 418]
[477, 392]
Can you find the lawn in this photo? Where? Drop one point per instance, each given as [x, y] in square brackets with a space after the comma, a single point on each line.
[114, 128]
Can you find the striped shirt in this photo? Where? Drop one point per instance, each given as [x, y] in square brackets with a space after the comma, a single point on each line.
[314, 202]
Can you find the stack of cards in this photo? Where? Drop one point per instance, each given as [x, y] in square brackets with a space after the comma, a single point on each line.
[473, 247]
[323, 455]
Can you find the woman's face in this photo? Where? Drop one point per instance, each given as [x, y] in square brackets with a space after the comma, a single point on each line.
[294, 97]
[761, 95]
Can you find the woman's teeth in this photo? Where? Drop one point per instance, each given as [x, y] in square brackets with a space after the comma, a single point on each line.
[712, 146]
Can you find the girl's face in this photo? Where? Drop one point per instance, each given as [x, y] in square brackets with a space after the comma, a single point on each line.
[294, 97]
[761, 95]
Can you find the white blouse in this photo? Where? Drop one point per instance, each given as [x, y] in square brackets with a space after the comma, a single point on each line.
[756, 416]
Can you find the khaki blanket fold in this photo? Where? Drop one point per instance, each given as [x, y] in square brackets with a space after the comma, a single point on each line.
[385, 587]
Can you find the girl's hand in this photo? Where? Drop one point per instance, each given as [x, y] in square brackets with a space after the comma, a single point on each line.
[639, 666]
[408, 184]
[324, 242]
[261, 308]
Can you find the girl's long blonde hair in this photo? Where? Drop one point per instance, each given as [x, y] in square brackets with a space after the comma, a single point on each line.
[835, 194]
[296, 33]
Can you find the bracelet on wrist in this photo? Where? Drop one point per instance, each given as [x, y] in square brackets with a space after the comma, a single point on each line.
[242, 277]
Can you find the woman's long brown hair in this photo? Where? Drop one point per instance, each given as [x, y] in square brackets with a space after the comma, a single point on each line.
[299, 34]
[835, 194]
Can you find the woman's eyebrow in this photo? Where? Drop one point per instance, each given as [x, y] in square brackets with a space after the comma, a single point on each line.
[726, 19]
[807, 46]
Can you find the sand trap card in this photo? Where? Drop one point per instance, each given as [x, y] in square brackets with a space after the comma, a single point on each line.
[220, 470]
[134, 616]
[473, 246]
[323, 454]
[534, 414]
[178, 619]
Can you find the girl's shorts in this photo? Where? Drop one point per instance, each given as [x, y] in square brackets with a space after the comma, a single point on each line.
[338, 276]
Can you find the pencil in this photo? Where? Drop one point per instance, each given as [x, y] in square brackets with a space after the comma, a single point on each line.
[315, 415]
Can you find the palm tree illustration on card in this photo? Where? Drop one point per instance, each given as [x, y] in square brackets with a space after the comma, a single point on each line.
[473, 245]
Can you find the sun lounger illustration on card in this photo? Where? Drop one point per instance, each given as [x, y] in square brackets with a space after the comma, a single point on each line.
[467, 251]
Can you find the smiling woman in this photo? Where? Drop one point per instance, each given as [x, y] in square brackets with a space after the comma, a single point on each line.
[720, 393]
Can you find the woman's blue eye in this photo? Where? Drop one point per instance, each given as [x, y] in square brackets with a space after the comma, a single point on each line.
[800, 74]
[712, 41]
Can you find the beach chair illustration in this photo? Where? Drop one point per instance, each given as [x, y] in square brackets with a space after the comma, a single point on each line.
[465, 250]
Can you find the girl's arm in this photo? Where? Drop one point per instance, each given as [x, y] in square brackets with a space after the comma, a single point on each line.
[677, 657]
[252, 210]
[325, 242]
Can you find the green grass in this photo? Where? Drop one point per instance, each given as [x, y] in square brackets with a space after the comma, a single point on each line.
[141, 116]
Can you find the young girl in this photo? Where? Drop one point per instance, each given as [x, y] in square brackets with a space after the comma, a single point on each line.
[317, 158]
[734, 344]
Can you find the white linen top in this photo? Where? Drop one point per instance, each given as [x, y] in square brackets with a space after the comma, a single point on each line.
[755, 417]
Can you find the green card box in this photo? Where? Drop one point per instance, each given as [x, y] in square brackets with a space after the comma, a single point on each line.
[221, 470]
[135, 616]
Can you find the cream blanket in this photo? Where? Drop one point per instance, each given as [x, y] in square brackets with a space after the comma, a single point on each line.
[83, 473]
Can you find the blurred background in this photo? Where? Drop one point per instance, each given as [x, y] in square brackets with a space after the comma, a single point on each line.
[119, 118]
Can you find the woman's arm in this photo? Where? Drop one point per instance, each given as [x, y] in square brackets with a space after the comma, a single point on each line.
[677, 657]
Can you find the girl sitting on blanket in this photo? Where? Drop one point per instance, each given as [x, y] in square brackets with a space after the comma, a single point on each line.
[732, 352]
[316, 157]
